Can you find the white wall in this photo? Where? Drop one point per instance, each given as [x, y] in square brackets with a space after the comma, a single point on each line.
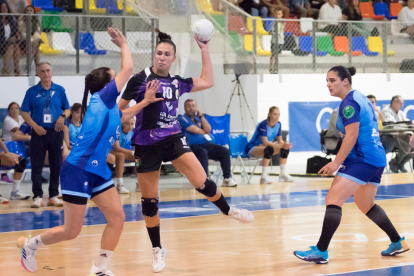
[280, 90]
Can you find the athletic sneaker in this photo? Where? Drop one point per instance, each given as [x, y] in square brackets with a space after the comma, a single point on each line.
[18, 196]
[5, 178]
[3, 200]
[100, 272]
[313, 255]
[396, 248]
[54, 201]
[37, 203]
[158, 262]
[286, 178]
[28, 257]
[242, 215]
[266, 180]
[229, 182]
[121, 189]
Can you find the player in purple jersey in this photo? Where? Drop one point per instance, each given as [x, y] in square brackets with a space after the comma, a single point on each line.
[158, 138]
[84, 174]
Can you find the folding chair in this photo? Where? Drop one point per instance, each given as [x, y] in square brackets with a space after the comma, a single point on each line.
[237, 145]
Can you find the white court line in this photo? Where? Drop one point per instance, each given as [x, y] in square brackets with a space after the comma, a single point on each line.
[135, 250]
[72, 248]
[200, 251]
[263, 254]
[230, 253]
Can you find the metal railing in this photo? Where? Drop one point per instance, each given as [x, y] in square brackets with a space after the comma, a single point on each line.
[75, 44]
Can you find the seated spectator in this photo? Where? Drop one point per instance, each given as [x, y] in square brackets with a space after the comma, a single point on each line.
[12, 122]
[254, 7]
[263, 144]
[275, 5]
[9, 44]
[330, 14]
[317, 4]
[352, 12]
[392, 113]
[406, 19]
[378, 115]
[34, 34]
[122, 150]
[197, 130]
[9, 159]
[72, 126]
[302, 8]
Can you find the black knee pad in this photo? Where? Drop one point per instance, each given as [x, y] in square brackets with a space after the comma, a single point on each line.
[149, 206]
[21, 166]
[268, 152]
[209, 189]
[284, 153]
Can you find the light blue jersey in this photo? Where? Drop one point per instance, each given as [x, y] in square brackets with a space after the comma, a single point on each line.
[125, 139]
[73, 132]
[263, 129]
[100, 129]
[368, 149]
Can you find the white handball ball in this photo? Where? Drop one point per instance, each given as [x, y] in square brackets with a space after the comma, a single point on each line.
[203, 29]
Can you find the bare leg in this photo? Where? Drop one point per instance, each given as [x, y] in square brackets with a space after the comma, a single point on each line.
[7, 59]
[110, 205]
[16, 58]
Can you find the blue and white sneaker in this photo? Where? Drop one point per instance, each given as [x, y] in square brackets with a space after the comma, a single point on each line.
[17, 195]
[313, 255]
[396, 248]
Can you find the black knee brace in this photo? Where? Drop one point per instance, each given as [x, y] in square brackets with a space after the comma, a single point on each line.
[284, 153]
[21, 166]
[149, 206]
[209, 188]
[268, 152]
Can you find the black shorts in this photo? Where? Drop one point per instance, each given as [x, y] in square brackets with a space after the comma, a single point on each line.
[149, 158]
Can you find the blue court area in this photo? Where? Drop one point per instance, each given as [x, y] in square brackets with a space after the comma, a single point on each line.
[190, 208]
[390, 271]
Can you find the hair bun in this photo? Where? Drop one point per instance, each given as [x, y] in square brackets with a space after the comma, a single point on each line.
[352, 70]
[162, 35]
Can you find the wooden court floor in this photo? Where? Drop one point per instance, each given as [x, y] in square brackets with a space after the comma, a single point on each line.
[211, 244]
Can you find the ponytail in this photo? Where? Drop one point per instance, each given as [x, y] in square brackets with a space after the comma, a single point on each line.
[85, 97]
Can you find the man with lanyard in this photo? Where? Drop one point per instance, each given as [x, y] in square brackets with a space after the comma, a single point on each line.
[197, 130]
[48, 107]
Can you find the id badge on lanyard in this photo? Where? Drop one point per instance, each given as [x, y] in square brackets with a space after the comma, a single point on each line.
[47, 111]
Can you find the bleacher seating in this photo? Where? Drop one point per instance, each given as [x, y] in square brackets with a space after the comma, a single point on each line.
[113, 6]
[375, 45]
[359, 44]
[306, 45]
[45, 48]
[293, 27]
[341, 45]
[94, 9]
[382, 9]
[121, 6]
[63, 42]
[237, 24]
[395, 9]
[395, 29]
[53, 22]
[259, 26]
[206, 7]
[248, 46]
[87, 43]
[46, 5]
[324, 44]
[367, 11]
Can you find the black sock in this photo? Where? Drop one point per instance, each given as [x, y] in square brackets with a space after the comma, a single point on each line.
[380, 218]
[333, 215]
[222, 204]
[154, 234]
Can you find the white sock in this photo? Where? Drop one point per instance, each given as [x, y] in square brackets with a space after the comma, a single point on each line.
[282, 169]
[264, 172]
[16, 185]
[35, 243]
[120, 181]
[104, 258]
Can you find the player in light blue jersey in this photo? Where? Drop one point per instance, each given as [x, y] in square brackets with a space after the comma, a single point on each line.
[73, 125]
[267, 141]
[85, 174]
[360, 160]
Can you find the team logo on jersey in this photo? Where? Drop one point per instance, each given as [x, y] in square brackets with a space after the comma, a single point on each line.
[95, 163]
[137, 162]
[348, 112]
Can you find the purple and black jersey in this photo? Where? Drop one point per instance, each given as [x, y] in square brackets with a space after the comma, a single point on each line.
[158, 120]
